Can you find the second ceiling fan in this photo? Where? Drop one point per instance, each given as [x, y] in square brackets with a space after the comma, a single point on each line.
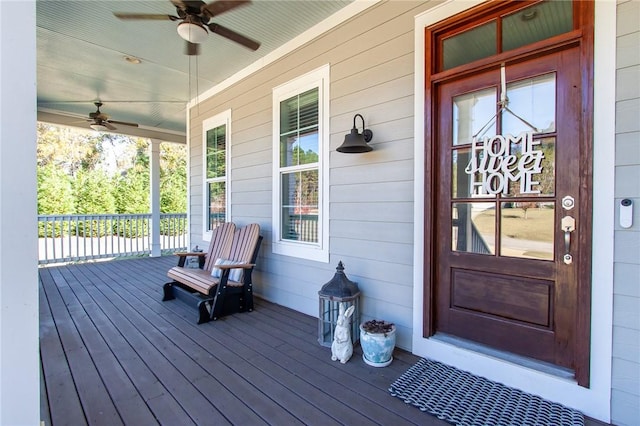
[194, 17]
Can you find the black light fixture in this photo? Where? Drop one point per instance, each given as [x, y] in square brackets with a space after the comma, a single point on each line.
[355, 142]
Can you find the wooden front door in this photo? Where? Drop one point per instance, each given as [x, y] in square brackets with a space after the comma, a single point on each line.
[507, 220]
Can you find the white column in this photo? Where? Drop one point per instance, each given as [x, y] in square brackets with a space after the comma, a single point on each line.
[19, 356]
[154, 175]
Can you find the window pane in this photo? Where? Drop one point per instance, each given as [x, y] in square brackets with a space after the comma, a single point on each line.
[527, 230]
[216, 152]
[534, 101]
[535, 23]
[299, 129]
[473, 227]
[217, 202]
[300, 206]
[299, 148]
[471, 112]
[476, 43]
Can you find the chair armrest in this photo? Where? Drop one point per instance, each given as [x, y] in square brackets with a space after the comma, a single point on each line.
[190, 253]
[236, 266]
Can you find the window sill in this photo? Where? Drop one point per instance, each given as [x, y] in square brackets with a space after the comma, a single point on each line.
[301, 251]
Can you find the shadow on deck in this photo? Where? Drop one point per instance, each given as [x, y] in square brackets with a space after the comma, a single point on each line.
[113, 353]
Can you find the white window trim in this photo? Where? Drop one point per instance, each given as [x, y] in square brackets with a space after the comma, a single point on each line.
[317, 252]
[222, 119]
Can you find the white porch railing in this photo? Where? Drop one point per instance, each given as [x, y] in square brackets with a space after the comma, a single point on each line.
[67, 238]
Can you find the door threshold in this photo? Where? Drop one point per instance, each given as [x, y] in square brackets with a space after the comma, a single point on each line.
[534, 364]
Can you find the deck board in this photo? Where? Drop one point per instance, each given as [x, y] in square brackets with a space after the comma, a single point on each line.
[113, 353]
[184, 333]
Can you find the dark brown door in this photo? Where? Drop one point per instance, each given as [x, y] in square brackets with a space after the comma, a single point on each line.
[507, 190]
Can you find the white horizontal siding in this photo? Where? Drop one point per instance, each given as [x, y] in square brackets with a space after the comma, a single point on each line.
[625, 398]
[371, 195]
[627, 52]
[628, 148]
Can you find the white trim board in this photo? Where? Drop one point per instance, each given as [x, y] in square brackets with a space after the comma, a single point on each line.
[344, 14]
[596, 400]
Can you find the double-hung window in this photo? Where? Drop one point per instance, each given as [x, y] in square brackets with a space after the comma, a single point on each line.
[215, 131]
[300, 146]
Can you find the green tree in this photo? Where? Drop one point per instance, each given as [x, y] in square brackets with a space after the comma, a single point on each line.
[93, 196]
[173, 178]
[55, 193]
[131, 189]
[82, 172]
[92, 189]
[68, 149]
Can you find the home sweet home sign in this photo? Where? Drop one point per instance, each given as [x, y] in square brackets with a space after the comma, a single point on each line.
[493, 164]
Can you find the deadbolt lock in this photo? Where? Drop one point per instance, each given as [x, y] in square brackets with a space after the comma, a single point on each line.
[568, 202]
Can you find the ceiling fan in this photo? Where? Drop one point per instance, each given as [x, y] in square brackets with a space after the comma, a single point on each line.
[194, 17]
[100, 121]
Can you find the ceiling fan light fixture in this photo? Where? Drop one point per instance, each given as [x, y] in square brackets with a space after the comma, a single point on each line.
[98, 127]
[192, 33]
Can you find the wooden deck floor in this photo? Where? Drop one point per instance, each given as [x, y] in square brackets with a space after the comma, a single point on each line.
[113, 353]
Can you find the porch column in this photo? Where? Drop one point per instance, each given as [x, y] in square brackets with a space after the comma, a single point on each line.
[19, 352]
[154, 175]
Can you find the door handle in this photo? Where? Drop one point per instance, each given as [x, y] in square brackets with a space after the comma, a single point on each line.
[568, 225]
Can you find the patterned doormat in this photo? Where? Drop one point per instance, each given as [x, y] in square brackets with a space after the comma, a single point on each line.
[460, 398]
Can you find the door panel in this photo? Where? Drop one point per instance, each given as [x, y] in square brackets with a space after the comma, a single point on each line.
[501, 276]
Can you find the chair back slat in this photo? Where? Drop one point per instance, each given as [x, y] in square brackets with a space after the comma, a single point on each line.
[244, 243]
[220, 246]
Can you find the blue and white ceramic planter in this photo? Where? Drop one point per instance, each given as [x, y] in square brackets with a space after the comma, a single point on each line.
[377, 348]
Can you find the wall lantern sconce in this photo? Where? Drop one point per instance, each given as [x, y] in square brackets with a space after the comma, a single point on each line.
[355, 142]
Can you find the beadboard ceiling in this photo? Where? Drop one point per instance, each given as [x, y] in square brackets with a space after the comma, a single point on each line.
[82, 49]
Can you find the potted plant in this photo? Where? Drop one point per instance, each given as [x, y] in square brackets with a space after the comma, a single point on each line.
[377, 339]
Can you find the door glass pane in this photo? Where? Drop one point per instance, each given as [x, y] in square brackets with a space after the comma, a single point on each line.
[535, 23]
[527, 230]
[466, 180]
[471, 112]
[300, 206]
[534, 101]
[217, 204]
[473, 227]
[534, 168]
[476, 43]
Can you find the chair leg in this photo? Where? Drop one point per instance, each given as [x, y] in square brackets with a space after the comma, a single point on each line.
[217, 307]
[247, 295]
[168, 292]
[203, 312]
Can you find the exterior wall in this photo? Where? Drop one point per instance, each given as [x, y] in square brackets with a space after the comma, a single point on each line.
[625, 397]
[371, 195]
[375, 71]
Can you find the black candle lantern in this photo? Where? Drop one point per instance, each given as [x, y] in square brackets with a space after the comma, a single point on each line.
[339, 290]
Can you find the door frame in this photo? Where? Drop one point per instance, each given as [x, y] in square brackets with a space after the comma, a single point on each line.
[579, 41]
[595, 400]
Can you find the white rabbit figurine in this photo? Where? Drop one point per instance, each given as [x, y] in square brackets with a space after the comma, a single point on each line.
[342, 348]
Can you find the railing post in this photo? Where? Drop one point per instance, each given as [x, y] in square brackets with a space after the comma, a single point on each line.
[156, 249]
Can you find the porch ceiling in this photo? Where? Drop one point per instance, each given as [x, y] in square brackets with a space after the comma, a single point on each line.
[81, 50]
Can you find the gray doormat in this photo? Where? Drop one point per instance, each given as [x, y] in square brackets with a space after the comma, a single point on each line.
[460, 398]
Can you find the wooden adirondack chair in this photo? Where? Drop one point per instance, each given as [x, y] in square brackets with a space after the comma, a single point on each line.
[207, 288]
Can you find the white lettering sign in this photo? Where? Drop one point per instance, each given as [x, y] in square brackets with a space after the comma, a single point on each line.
[495, 165]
